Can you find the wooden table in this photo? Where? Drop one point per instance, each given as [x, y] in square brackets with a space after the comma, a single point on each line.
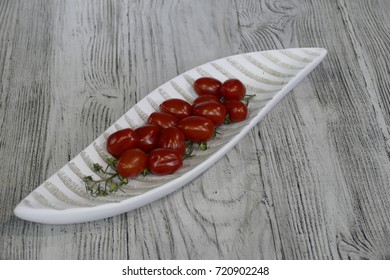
[310, 181]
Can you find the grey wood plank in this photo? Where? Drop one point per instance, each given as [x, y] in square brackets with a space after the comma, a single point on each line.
[309, 182]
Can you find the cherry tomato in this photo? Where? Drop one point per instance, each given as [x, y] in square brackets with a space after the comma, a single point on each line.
[164, 161]
[148, 135]
[162, 119]
[233, 89]
[197, 129]
[216, 112]
[120, 141]
[172, 138]
[236, 110]
[206, 97]
[207, 85]
[177, 107]
[132, 163]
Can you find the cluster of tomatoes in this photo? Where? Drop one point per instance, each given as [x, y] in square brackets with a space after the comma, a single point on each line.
[160, 145]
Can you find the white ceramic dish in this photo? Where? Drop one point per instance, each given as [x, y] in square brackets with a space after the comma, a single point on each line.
[63, 198]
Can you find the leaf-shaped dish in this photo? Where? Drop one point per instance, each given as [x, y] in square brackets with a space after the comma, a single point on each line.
[270, 75]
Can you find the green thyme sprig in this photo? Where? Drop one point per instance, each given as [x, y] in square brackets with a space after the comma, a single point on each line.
[111, 181]
[189, 150]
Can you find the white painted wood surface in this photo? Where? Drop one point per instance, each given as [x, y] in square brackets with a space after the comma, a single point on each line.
[311, 181]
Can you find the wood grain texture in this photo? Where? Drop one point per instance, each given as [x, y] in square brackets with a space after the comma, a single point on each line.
[311, 181]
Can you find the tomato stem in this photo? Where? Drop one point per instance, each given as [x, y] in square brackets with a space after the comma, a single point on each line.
[227, 119]
[203, 146]
[145, 172]
[247, 98]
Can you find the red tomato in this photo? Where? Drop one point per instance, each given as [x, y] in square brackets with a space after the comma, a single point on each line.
[212, 110]
[148, 135]
[177, 107]
[162, 119]
[233, 89]
[236, 110]
[120, 141]
[206, 97]
[164, 161]
[197, 129]
[172, 138]
[207, 85]
[132, 163]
